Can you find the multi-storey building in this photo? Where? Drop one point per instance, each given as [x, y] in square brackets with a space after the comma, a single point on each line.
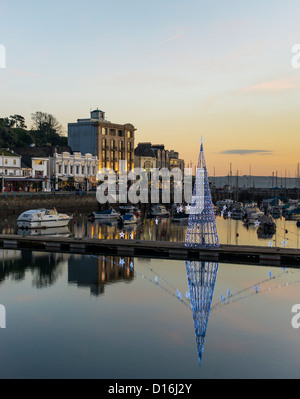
[162, 156]
[82, 168]
[175, 161]
[156, 156]
[10, 163]
[110, 142]
[64, 169]
[144, 157]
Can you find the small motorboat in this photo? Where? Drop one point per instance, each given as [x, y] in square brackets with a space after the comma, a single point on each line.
[182, 214]
[128, 218]
[55, 231]
[159, 210]
[129, 209]
[108, 214]
[42, 218]
[293, 214]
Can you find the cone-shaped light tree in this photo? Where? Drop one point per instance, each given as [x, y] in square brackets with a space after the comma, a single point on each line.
[201, 280]
[202, 230]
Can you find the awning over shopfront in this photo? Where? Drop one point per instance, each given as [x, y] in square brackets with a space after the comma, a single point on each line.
[24, 179]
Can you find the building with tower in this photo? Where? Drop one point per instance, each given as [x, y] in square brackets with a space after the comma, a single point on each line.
[110, 142]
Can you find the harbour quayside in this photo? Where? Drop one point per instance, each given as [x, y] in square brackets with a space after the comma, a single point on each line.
[42, 218]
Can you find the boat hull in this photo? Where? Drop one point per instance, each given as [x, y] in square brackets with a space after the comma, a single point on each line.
[40, 224]
[106, 217]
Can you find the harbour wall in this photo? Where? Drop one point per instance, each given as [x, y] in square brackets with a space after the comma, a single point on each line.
[11, 205]
[63, 202]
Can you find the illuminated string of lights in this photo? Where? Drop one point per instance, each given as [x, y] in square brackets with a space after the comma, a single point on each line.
[202, 230]
[256, 288]
[178, 295]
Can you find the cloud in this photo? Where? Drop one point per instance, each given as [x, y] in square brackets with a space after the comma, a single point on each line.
[247, 152]
[276, 85]
[171, 38]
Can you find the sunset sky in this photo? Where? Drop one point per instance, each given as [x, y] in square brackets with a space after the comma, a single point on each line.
[177, 70]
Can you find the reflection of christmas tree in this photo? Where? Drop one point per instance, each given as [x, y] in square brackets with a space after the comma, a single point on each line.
[202, 230]
[201, 280]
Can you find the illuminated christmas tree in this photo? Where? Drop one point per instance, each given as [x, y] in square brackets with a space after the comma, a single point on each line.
[201, 280]
[202, 230]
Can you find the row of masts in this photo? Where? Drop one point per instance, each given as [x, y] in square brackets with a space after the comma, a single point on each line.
[275, 179]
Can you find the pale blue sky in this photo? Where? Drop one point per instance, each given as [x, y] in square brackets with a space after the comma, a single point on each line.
[175, 69]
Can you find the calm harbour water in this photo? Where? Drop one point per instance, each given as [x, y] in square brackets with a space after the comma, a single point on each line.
[230, 231]
[79, 316]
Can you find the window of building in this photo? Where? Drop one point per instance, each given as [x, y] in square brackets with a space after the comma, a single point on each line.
[112, 144]
[77, 170]
[5, 161]
[66, 169]
[104, 130]
[71, 169]
[15, 162]
[59, 169]
[82, 170]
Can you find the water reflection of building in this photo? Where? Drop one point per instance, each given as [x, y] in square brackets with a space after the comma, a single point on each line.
[201, 280]
[95, 272]
[45, 268]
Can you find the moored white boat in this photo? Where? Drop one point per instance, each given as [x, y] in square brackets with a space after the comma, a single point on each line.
[130, 209]
[109, 214]
[42, 218]
[159, 210]
[293, 213]
[129, 218]
[55, 231]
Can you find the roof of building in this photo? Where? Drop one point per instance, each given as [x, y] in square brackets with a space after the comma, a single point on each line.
[97, 110]
[144, 150]
[8, 153]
